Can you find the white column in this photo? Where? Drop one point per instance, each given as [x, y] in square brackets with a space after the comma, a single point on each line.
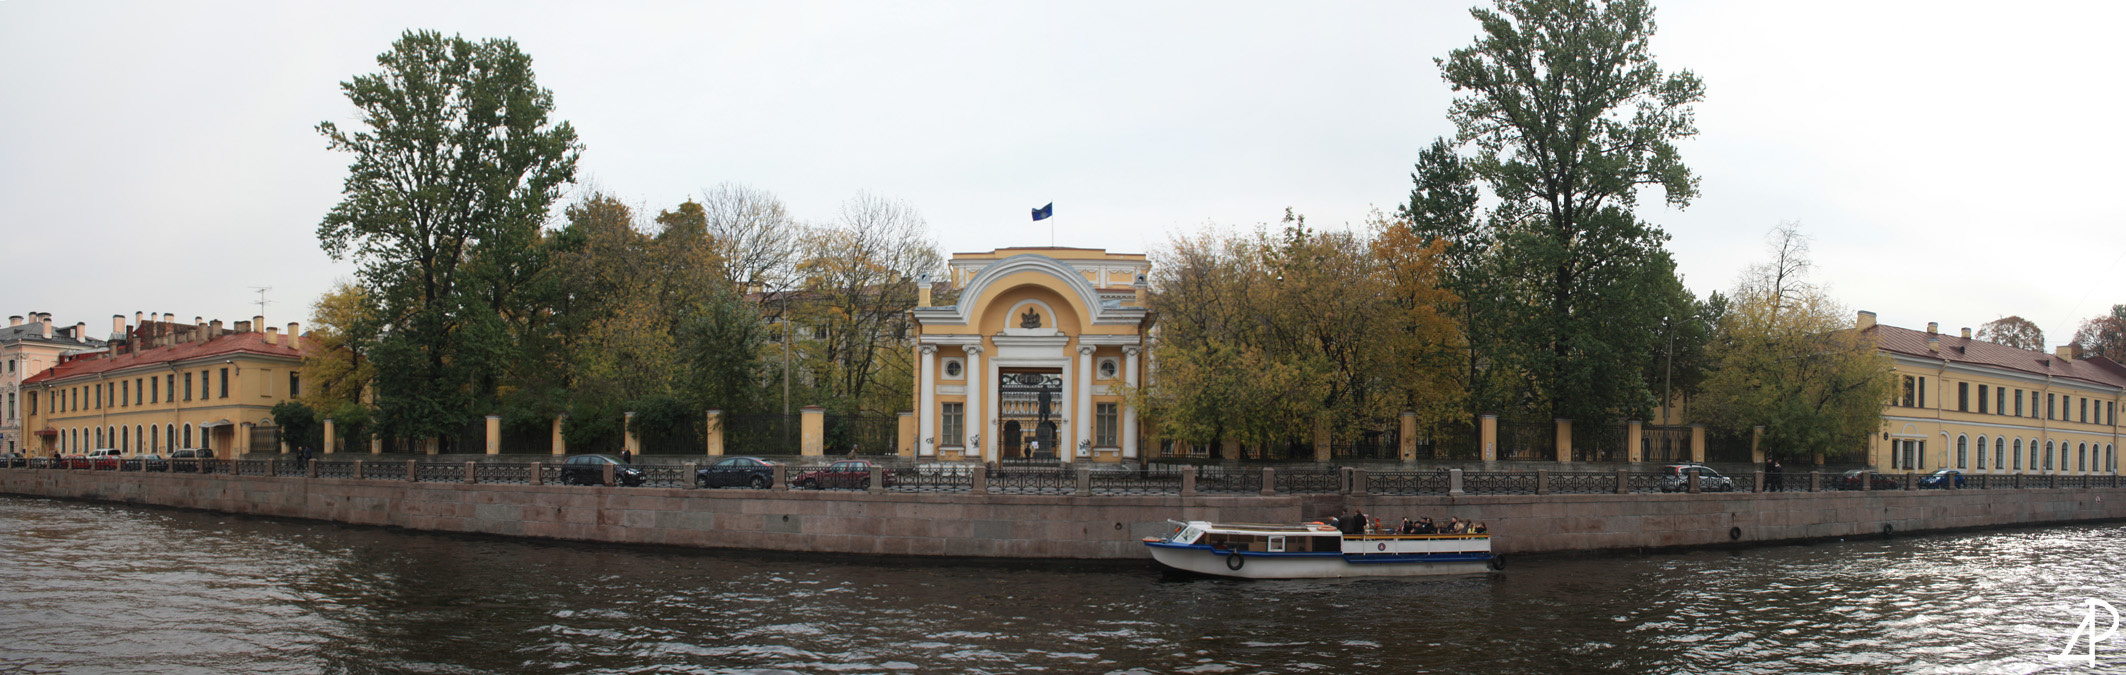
[926, 415]
[977, 422]
[1129, 412]
[1083, 414]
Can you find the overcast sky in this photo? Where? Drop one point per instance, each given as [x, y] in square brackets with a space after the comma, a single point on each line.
[1953, 164]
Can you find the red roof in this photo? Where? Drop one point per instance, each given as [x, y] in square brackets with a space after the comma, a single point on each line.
[228, 343]
[1954, 349]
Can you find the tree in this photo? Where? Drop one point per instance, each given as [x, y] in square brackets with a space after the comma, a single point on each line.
[2104, 335]
[298, 424]
[2013, 331]
[858, 277]
[1790, 360]
[343, 326]
[443, 204]
[755, 238]
[1568, 118]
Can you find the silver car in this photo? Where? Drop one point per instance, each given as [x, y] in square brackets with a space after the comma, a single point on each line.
[1708, 479]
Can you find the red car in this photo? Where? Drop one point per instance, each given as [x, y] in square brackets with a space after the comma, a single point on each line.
[104, 458]
[851, 474]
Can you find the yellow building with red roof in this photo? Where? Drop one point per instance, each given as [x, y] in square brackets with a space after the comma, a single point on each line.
[1980, 407]
[163, 385]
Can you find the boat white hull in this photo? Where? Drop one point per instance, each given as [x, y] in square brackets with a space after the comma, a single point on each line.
[1257, 565]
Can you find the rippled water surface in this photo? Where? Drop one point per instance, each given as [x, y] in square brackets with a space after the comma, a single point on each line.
[103, 588]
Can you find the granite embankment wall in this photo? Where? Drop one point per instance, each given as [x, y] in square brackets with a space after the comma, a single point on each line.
[1038, 526]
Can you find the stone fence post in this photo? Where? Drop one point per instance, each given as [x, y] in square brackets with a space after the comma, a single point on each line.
[1623, 482]
[1269, 481]
[878, 479]
[1358, 482]
[1188, 481]
[1690, 477]
[782, 478]
[538, 474]
[358, 474]
[472, 472]
[413, 470]
[1542, 481]
[1815, 481]
[979, 480]
[1454, 482]
[1085, 481]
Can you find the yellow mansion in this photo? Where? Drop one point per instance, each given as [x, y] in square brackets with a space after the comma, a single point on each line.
[1967, 404]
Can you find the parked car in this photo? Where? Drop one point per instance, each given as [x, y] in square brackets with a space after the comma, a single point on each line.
[590, 470]
[849, 474]
[104, 458]
[75, 462]
[1850, 480]
[153, 462]
[13, 460]
[752, 472]
[186, 459]
[1941, 479]
[1708, 479]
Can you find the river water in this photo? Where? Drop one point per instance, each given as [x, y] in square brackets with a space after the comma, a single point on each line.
[93, 588]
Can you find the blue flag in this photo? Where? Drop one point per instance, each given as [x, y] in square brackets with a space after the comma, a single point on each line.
[1045, 211]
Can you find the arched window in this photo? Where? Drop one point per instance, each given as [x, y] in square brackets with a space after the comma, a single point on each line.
[2081, 456]
[2033, 454]
[2000, 454]
[154, 437]
[99, 437]
[170, 432]
[125, 439]
[140, 440]
[2048, 455]
[1963, 452]
[1982, 453]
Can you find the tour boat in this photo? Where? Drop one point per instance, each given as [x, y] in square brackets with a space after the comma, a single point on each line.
[1317, 551]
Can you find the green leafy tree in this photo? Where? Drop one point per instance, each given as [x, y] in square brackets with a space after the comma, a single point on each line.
[1567, 119]
[1790, 360]
[299, 425]
[455, 167]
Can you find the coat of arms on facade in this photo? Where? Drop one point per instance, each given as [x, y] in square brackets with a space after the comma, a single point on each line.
[1031, 319]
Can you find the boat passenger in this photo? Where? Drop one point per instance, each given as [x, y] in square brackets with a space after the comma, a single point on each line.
[1480, 529]
[1408, 526]
[1356, 524]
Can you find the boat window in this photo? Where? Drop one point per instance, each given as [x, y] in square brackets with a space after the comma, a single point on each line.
[1188, 535]
[1276, 544]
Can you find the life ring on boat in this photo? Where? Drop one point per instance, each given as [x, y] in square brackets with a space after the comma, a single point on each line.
[1234, 562]
[1498, 562]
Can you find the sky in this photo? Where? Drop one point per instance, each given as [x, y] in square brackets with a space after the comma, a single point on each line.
[1950, 162]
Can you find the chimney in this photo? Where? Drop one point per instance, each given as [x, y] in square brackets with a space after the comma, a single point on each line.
[2065, 352]
[214, 329]
[140, 317]
[118, 325]
[258, 323]
[240, 327]
[1933, 341]
[1933, 328]
[199, 330]
[1867, 318]
[46, 328]
[81, 331]
[922, 290]
[169, 318]
[1967, 332]
[273, 336]
[294, 329]
[15, 320]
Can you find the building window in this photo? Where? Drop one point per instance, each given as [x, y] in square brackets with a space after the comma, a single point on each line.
[2082, 410]
[188, 389]
[295, 384]
[125, 392]
[97, 400]
[148, 442]
[224, 383]
[1981, 399]
[154, 390]
[2051, 410]
[2018, 456]
[172, 386]
[137, 391]
[1907, 400]
[1982, 449]
[953, 369]
[1963, 452]
[1963, 397]
[2000, 400]
[1104, 424]
[1110, 368]
[2000, 453]
[188, 435]
[2081, 457]
[1922, 399]
[952, 436]
[2048, 455]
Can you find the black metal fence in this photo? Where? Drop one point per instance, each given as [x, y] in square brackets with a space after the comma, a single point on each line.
[1528, 440]
[1064, 479]
[1599, 442]
[1666, 445]
[861, 434]
[762, 434]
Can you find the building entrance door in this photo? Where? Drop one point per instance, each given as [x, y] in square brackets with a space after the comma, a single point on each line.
[1031, 408]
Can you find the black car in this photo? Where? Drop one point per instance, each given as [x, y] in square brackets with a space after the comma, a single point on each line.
[590, 470]
[1941, 478]
[752, 472]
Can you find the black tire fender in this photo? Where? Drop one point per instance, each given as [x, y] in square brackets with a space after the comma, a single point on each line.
[1234, 561]
[1734, 533]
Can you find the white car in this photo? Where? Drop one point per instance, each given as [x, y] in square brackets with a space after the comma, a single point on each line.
[1708, 479]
